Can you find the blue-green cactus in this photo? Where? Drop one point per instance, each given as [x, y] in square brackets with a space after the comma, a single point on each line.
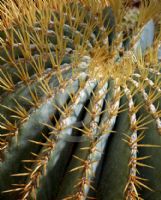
[80, 100]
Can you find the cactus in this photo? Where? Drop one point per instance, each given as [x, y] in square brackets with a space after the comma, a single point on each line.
[80, 100]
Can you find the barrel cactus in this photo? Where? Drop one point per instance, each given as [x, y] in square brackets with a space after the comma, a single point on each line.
[80, 100]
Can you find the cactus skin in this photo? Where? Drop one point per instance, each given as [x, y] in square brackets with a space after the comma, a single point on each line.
[80, 101]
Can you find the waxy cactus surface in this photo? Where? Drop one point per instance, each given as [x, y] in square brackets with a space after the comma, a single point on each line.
[80, 100]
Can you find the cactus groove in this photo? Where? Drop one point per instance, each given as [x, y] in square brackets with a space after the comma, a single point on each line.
[80, 100]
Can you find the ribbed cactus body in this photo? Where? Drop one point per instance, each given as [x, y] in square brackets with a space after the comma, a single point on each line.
[80, 101]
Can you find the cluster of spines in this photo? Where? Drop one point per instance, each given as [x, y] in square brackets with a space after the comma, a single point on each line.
[90, 131]
[138, 125]
[38, 64]
[150, 98]
[133, 142]
[96, 132]
[34, 174]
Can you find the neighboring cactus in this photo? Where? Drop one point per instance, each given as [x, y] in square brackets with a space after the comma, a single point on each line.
[80, 100]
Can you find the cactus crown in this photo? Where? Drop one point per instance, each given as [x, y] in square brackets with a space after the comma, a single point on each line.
[80, 100]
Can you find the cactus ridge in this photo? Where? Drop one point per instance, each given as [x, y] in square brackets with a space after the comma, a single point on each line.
[80, 100]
